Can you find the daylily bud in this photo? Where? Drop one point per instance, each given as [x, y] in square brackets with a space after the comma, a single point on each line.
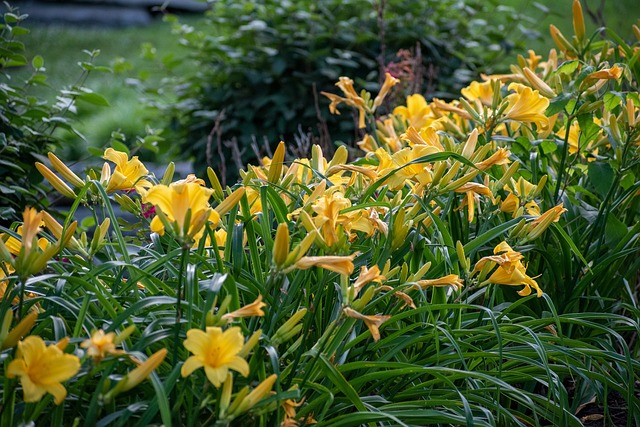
[275, 168]
[139, 374]
[420, 273]
[615, 130]
[537, 83]
[168, 174]
[281, 245]
[562, 43]
[55, 182]
[302, 248]
[446, 179]
[65, 171]
[540, 224]
[218, 194]
[340, 157]
[250, 344]
[631, 118]
[225, 397]
[462, 258]
[125, 202]
[232, 199]
[539, 187]
[122, 336]
[506, 177]
[461, 181]
[470, 145]
[256, 395]
[98, 236]
[19, 331]
[578, 20]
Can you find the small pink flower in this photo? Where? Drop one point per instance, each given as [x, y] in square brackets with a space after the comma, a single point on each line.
[148, 210]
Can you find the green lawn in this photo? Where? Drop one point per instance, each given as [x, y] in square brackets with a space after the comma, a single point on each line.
[62, 48]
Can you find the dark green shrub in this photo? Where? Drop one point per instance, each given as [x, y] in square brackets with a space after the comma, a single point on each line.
[27, 123]
[255, 66]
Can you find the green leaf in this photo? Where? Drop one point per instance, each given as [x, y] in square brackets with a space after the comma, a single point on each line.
[611, 100]
[37, 62]
[615, 230]
[95, 151]
[119, 146]
[342, 384]
[558, 103]
[93, 98]
[628, 180]
[548, 147]
[601, 177]
[588, 129]
[568, 67]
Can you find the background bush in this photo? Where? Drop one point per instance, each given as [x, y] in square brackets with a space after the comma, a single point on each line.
[255, 65]
[27, 122]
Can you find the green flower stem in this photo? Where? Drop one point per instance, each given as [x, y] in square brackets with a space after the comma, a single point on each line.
[184, 261]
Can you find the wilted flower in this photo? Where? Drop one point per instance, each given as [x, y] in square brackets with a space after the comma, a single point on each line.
[372, 322]
[339, 264]
[450, 280]
[249, 310]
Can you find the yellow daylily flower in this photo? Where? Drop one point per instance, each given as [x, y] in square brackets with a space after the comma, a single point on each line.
[526, 106]
[351, 98]
[480, 91]
[128, 174]
[42, 369]
[613, 73]
[215, 351]
[417, 112]
[407, 172]
[327, 218]
[522, 190]
[100, 345]
[175, 200]
[540, 224]
[510, 270]
[500, 157]
[389, 82]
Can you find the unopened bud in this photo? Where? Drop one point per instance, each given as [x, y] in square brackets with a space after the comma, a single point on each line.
[65, 171]
[218, 194]
[281, 245]
[229, 203]
[275, 168]
[578, 20]
[55, 182]
[250, 344]
[168, 174]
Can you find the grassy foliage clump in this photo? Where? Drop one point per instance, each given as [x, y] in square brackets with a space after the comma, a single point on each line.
[476, 266]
